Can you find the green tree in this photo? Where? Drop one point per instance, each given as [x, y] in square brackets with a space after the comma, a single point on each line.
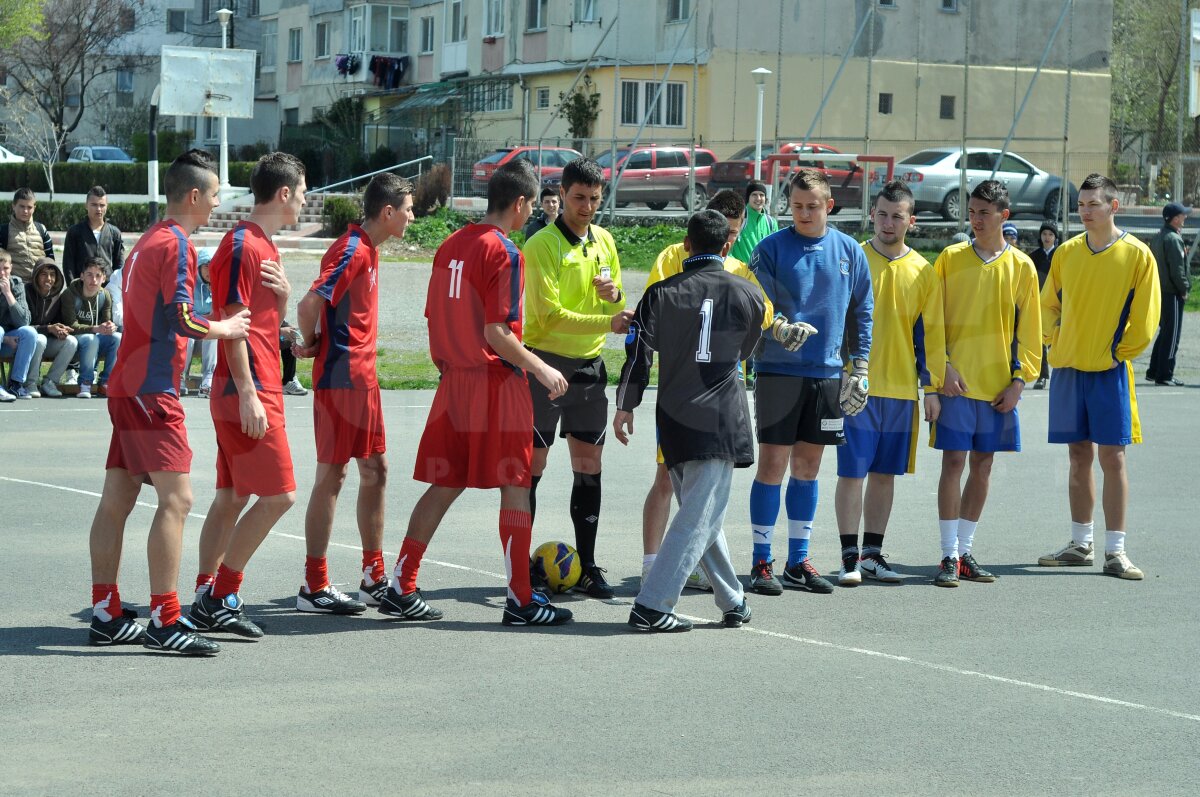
[17, 19]
[580, 108]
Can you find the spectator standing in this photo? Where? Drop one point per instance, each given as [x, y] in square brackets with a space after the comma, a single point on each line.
[25, 239]
[16, 336]
[1168, 249]
[203, 304]
[759, 223]
[544, 218]
[94, 328]
[1041, 256]
[51, 314]
[93, 237]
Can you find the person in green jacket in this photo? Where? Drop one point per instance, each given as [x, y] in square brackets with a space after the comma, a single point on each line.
[759, 222]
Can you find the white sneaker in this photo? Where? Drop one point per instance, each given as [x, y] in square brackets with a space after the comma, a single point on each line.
[849, 575]
[71, 377]
[85, 390]
[294, 388]
[697, 580]
[875, 566]
[33, 390]
[5, 396]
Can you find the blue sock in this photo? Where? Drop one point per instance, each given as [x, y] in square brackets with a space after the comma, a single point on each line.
[764, 510]
[801, 510]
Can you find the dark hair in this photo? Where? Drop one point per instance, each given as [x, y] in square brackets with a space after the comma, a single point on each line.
[1098, 182]
[993, 192]
[547, 191]
[897, 191]
[582, 170]
[97, 191]
[811, 180]
[273, 171]
[24, 193]
[1048, 225]
[97, 262]
[515, 179]
[191, 170]
[755, 186]
[728, 203]
[383, 190]
[707, 231]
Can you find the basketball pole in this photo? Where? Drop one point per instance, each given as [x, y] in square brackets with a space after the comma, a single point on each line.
[224, 16]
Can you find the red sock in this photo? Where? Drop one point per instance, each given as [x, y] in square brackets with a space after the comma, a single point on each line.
[374, 570]
[106, 602]
[228, 582]
[407, 565]
[164, 609]
[204, 581]
[316, 573]
[516, 531]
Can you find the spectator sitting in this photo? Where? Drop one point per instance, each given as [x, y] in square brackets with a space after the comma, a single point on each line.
[16, 336]
[94, 328]
[202, 304]
[25, 239]
[289, 336]
[93, 237]
[51, 313]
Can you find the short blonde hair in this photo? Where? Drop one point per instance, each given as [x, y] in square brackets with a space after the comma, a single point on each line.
[5, 257]
[811, 180]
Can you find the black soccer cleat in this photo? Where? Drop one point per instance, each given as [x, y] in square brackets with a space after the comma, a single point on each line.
[374, 594]
[211, 614]
[538, 611]
[117, 631]
[645, 619]
[537, 580]
[736, 618]
[180, 637]
[592, 582]
[410, 606]
[763, 579]
[803, 575]
[330, 600]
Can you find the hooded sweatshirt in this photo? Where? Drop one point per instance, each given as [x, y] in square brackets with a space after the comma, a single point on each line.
[89, 312]
[56, 307]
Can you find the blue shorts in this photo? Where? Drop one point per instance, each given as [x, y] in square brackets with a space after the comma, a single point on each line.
[1099, 406]
[880, 439]
[967, 424]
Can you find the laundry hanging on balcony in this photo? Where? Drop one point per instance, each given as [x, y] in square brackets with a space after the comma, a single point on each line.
[388, 72]
[346, 64]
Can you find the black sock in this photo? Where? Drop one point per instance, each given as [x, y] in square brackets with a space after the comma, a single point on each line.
[533, 497]
[849, 543]
[871, 540]
[585, 514]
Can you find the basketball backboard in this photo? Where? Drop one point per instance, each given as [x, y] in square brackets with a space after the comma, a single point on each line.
[202, 81]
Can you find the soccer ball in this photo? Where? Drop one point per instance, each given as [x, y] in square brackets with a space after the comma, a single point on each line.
[559, 564]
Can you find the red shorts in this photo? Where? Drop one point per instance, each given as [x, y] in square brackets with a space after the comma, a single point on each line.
[249, 466]
[477, 434]
[348, 424]
[148, 435]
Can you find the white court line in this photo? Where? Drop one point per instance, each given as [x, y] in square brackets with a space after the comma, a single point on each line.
[928, 665]
[35, 409]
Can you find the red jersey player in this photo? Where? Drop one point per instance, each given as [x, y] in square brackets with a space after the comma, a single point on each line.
[343, 304]
[477, 434]
[149, 441]
[253, 457]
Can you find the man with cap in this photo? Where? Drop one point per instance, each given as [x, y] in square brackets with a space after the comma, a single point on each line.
[759, 222]
[1041, 257]
[1009, 231]
[1169, 250]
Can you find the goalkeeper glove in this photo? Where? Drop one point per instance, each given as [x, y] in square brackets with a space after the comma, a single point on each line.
[853, 396]
[790, 336]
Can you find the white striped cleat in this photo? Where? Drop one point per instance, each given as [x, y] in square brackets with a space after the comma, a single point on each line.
[539, 611]
[117, 631]
[179, 637]
[644, 619]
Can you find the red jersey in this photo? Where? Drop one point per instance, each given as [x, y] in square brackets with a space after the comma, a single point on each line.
[350, 323]
[235, 273]
[157, 284]
[478, 278]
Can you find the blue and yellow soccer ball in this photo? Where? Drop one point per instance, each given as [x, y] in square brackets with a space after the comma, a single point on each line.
[559, 564]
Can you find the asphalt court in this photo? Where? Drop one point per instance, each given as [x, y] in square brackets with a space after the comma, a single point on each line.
[1056, 681]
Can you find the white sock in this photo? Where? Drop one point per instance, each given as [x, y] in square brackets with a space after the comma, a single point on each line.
[799, 529]
[1081, 533]
[966, 535]
[949, 538]
[1114, 542]
[648, 560]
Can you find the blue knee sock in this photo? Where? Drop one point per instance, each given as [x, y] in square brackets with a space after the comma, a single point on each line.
[801, 510]
[764, 510]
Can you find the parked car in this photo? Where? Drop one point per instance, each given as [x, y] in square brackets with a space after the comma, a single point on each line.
[552, 162]
[933, 176]
[99, 155]
[7, 156]
[658, 175]
[845, 179]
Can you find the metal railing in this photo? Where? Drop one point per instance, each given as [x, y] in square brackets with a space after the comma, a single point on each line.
[325, 188]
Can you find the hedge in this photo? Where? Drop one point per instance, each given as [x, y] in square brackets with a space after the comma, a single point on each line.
[129, 217]
[77, 178]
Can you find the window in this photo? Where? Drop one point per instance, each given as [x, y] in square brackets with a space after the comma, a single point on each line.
[295, 45]
[705, 159]
[638, 96]
[674, 93]
[490, 96]
[252, 8]
[126, 19]
[212, 128]
[585, 10]
[321, 39]
[206, 11]
[640, 160]
[887, 3]
[535, 14]
[176, 21]
[291, 117]
[678, 10]
[124, 98]
[543, 98]
[269, 36]
[950, 5]
[426, 34]
[389, 29]
[885, 103]
[493, 18]
[629, 102]
[947, 107]
[671, 159]
[456, 21]
[356, 33]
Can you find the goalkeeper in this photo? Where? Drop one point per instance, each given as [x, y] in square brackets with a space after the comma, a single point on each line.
[820, 285]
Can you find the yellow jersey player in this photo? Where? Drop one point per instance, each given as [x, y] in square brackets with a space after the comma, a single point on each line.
[1101, 307]
[993, 341]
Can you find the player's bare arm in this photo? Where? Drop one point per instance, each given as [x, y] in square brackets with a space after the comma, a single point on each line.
[623, 426]
[507, 345]
[308, 313]
[250, 408]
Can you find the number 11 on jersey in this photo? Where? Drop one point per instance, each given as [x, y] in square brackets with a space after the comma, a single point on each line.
[456, 270]
[704, 352]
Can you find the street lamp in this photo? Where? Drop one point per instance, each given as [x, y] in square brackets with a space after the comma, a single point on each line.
[223, 16]
[760, 79]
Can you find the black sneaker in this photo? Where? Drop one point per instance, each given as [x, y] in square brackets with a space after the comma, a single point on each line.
[537, 580]
[222, 614]
[762, 579]
[374, 594]
[117, 631]
[330, 600]
[592, 582]
[538, 611]
[179, 637]
[410, 606]
[736, 618]
[947, 575]
[804, 576]
[644, 619]
[969, 569]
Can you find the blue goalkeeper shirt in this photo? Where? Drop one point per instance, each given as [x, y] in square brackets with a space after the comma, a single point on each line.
[825, 282]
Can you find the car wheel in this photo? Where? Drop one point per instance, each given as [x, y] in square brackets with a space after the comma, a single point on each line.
[782, 203]
[657, 205]
[694, 200]
[1050, 210]
[950, 207]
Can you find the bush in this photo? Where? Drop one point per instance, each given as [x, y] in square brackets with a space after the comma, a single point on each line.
[432, 190]
[171, 144]
[430, 231]
[340, 211]
[382, 158]
[127, 216]
[77, 178]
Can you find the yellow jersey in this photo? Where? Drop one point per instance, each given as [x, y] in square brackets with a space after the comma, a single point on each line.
[670, 262]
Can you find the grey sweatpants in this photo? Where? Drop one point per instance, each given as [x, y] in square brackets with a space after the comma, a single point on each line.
[695, 536]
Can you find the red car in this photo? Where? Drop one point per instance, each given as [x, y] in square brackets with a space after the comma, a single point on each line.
[845, 179]
[553, 159]
[657, 175]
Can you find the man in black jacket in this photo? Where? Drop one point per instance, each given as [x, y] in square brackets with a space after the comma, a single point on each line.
[93, 237]
[1041, 257]
[1169, 250]
[702, 322]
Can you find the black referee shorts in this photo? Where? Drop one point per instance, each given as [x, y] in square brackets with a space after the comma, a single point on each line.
[583, 409]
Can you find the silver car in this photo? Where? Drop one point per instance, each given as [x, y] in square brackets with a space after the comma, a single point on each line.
[933, 176]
